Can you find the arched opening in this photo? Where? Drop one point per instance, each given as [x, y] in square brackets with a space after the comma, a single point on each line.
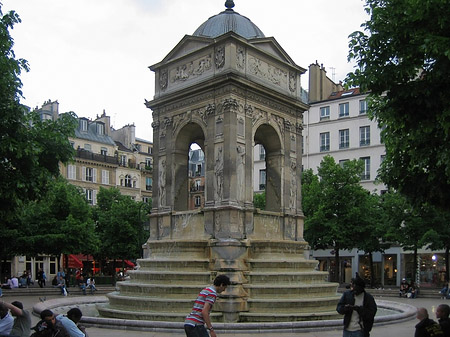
[270, 174]
[196, 174]
[189, 134]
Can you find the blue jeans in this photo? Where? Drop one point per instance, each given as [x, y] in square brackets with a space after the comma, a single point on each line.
[358, 333]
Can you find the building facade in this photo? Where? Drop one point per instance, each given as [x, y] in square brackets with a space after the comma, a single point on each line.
[104, 157]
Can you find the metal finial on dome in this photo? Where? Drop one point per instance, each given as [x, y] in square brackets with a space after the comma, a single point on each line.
[229, 4]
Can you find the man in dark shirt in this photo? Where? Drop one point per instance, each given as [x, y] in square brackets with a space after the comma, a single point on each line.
[427, 327]
[442, 312]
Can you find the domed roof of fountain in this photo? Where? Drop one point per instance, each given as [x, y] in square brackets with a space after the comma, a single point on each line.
[228, 21]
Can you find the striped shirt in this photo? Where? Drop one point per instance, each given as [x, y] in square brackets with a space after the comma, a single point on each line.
[208, 294]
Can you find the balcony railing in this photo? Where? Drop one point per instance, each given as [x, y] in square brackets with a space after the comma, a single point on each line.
[197, 188]
[83, 154]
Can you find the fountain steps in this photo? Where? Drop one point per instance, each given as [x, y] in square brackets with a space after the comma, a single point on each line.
[174, 264]
[130, 289]
[149, 315]
[287, 317]
[273, 264]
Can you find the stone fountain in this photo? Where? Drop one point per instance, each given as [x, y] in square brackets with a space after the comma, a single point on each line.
[227, 87]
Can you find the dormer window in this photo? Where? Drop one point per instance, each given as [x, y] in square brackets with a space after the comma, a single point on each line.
[83, 125]
[100, 128]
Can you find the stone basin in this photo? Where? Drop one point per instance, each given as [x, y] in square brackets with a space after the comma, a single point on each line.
[394, 313]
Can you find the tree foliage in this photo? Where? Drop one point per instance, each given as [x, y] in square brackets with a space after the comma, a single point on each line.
[403, 60]
[59, 223]
[30, 149]
[333, 203]
[120, 222]
[259, 200]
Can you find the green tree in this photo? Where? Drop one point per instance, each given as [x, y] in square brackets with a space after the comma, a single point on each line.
[331, 203]
[59, 223]
[406, 224]
[120, 225]
[259, 200]
[403, 61]
[30, 149]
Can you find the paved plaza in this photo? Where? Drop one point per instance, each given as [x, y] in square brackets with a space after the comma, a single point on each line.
[403, 329]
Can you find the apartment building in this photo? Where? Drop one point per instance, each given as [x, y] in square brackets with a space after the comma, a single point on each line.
[104, 157]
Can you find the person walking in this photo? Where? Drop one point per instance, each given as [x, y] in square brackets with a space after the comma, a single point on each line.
[359, 309]
[194, 324]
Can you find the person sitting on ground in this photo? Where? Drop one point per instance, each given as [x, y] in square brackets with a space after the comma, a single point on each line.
[23, 280]
[427, 327]
[82, 284]
[404, 287]
[70, 323]
[442, 313]
[444, 291]
[412, 291]
[62, 285]
[91, 284]
[6, 320]
[48, 326]
[22, 321]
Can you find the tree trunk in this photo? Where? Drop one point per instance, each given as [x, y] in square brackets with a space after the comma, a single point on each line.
[372, 271]
[336, 265]
[447, 264]
[66, 261]
[414, 276]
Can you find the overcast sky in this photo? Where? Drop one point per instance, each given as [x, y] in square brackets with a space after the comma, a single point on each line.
[92, 55]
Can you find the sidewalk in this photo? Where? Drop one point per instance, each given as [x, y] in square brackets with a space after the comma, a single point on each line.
[404, 329]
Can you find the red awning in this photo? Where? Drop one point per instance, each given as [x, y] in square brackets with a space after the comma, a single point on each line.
[74, 262]
[129, 263]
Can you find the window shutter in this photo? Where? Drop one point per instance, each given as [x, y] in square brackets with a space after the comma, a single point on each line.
[83, 173]
[94, 175]
[94, 197]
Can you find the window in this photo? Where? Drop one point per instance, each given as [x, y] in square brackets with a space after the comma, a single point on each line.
[100, 128]
[148, 184]
[362, 107]
[105, 177]
[88, 147]
[104, 151]
[146, 199]
[123, 160]
[366, 173]
[324, 141]
[382, 158]
[344, 109]
[303, 145]
[262, 153]
[201, 155]
[344, 139]
[128, 181]
[149, 150]
[71, 172]
[364, 135]
[148, 163]
[324, 113]
[342, 162]
[90, 196]
[198, 170]
[72, 144]
[83, 125]
[262, 180]
[198, 201]
[89, 174]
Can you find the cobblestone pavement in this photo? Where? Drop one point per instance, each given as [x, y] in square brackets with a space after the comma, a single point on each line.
[403, 329]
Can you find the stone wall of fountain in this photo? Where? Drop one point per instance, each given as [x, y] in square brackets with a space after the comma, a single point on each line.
[272, 282]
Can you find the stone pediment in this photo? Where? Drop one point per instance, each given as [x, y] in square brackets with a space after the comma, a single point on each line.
[271, 46]
[187, 45]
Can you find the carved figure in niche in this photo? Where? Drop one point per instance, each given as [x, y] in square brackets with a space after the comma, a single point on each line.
[218, 171]
[220, 57]
[240, 170]
[163, 79]
[162, 182]
[292, 82]
[240, 58]
[293, 187]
